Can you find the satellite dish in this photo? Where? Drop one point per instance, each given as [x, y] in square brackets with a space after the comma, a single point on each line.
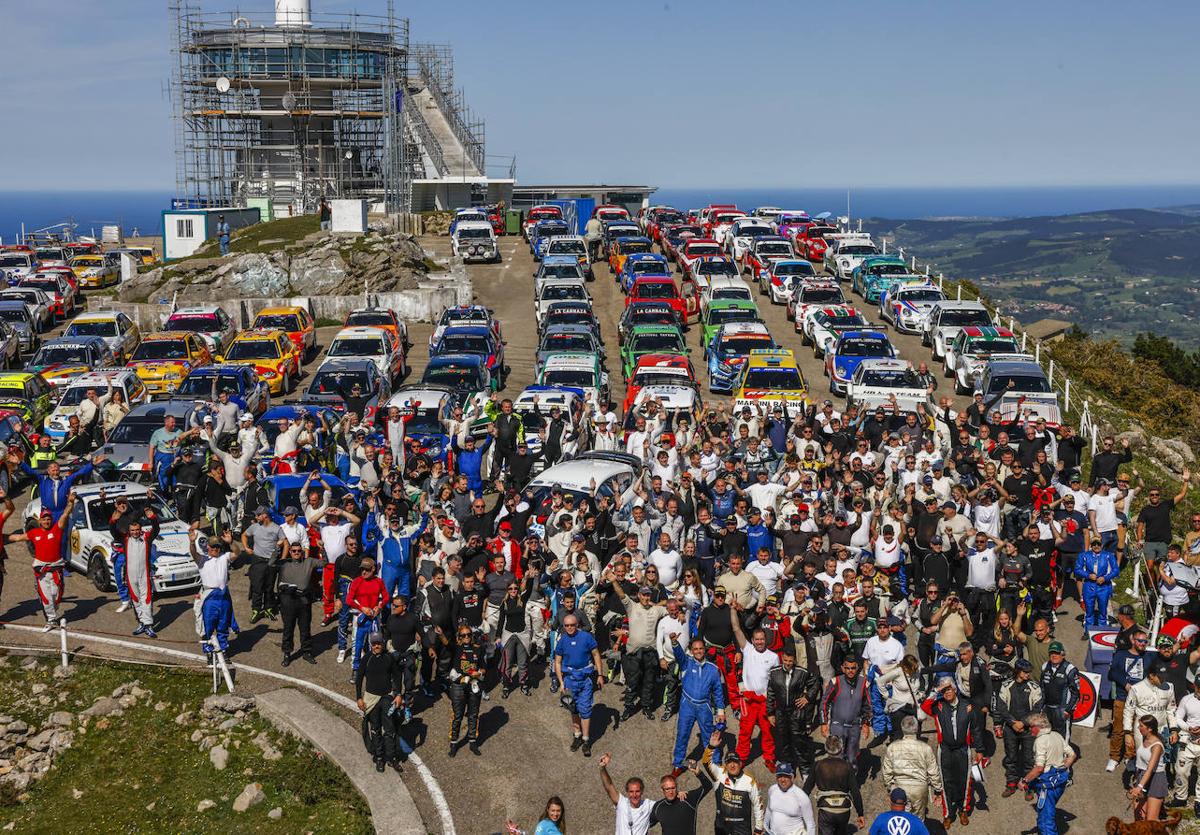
[289, 102]
[349, 155]
[824, 215]
[223, 85]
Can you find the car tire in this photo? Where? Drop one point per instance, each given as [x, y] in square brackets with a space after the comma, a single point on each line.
[98, 573]
[286, 387]
[959, 388]
[804, 340]
[947, 372]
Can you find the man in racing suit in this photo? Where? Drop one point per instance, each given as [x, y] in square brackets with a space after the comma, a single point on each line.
[1060, 690]
[1016, 700]
[701, 694]
[576, 664]
[792, 696]
[909, 764]
[466, 689]
[1097, 569]
[954, 722]
[739, 802]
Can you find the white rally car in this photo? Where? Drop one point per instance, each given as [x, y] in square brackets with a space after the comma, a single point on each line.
[907, 306]
[90, 544]
[946, 319]
[823, 324]
[846, 252]
[887, 383]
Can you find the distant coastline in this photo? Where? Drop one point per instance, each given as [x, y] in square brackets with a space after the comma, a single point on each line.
[142, 209]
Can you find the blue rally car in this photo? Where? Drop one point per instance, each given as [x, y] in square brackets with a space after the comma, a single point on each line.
[543, 232]
[246, 389]
[850, 349]
[728, 349]
[638, 264]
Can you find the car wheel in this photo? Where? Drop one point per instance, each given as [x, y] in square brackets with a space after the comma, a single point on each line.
[286, 386]
[804, 340]
[959, 388]
[98, 573]
[947, 372]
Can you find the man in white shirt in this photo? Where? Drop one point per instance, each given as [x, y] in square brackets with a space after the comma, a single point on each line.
[213, 608]
[882, 650]
[768, 573]
[987, 514]
[765, 493]
[633, 810]
[789, 809]
[667, 559]
[1102, 514]
[675, 623]
[1187, 717]
[757, 663]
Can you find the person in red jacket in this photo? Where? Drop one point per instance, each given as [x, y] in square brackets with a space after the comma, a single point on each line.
[48, 564]
[507, 547]
[366, 597]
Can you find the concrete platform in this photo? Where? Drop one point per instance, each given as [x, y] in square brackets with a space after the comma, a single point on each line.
[392, 808]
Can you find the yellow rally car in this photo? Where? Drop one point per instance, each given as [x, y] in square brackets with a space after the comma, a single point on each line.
[771, 377]
[163, 359]
[273, 355]
[295, 322]
[28, 394]
[93, 273]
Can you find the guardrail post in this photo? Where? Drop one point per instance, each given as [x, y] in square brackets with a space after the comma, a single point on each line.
[1067, 397]
[860, 224]
[1037, 352]
[1050, 373]
[1023, 335]
[900, 251]
[958, 296]
[1012, 323]
[928, 272]
[62, 640]
[941, 281]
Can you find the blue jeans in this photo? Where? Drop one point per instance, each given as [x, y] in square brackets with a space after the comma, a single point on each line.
[343, 629]
[224, 242]
[363, 628]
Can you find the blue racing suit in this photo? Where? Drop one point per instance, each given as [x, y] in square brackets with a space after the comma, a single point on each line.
[363, 628]
[1095, 594]
[881, 723]
[702, 695]
[759, 536]
[395, 552]
[118, 563]
[578, 669]
[217, 618]
[1049, 786]
[470, 463]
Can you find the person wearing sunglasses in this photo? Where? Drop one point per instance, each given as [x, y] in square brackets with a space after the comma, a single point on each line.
[366, 597]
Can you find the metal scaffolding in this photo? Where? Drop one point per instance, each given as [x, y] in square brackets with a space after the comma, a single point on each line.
[291, 113]
[434, 66]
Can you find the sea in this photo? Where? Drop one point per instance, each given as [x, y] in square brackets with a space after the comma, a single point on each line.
[141, 211]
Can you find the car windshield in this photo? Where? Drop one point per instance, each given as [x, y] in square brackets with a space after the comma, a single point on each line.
[50, 285]
[665, 218]
[864, 348]
[569, 247]
[754, 231]
[77, 394]
[891, 378]
[635, 247]
[456, 376]
[100, 511]
[161, 349]
[930, 295]
[551, 229]
[731, 314]
[857, 249]
[822, 295]
[657, 290]
[964, 318]
[655, 317]
[461, 343]
[564, 292]
[463, 317]
[560, 271]
[575, 377]
[649, 266]
[743, 345]
[97, 328]
[889, 269]
[571, 317]
[469, 232]
[208, 385]
[193, 323]
[774, 248]
[685, 231]
[721, 267]
[50, 255]
[13, 261]
[848, 321]
[1023, 383]
[796, 268]
[14, 314]
[667, 343]
[254, 349]
[368, 319]
[567, 342]
[992, 346]
[134, 431]
[289, 322]
[777, 379]
[425, 422]
[820, 231]
[356, 346]
[338, 381]
[55, 354]
[732, 293]
[703, 249]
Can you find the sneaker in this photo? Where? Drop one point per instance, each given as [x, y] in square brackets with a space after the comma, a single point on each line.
[274, 615]
[453, 750]
[946, 822]
[667, 714]
[649, 714]
[587, 748]
[397, 766]
[287, 660]
[380, 766]
[124, 607]
[140, 629]
[1196, 808]
[525, 691]
[50, 625]
[341, 656]
[309, 659]
[964, 818]
[576, 743]
[474, 749]
[629, 713]
[327, 620]
[407, 715]
[150, 633]
[1176, 803]
[256, 616]
[1009, 790]
[677, 770]
[506, 692]
[1111, 766]
[553, 685]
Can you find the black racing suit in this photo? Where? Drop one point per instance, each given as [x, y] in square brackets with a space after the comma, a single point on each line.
[466, 691]
[793, 724]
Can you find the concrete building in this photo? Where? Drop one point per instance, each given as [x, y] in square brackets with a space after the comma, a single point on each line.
[185, 229]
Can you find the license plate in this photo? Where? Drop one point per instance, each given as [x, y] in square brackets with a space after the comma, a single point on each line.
[171, 578]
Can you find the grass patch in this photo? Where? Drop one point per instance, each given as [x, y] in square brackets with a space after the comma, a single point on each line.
[144, 758]
[326, 322]
[260, 237]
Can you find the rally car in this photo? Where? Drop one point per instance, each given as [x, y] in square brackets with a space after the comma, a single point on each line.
[558, 266]
[28, 394]
[823, 324]
[479, 342]
[164, 358]
[127, 447]
[574, 246]
[763, 251]
[376, 344]
[113, 326]
[706, 269]
[333, 380]
[568, 339]
[584, 372]
[622, 248]
[89, 548]
[536, 215]
[325, 421]
[843, 356]
[970, 351]
[466, 374]
[539, 237]
[39, 302]
[650, 339]
[947, 318]
[104, 381]
[15, 314]
[614, 231]
[644, 313]
[847, 252]
[63, 294]
[693, 250]
[662, 220]
[807, 294]
[720, 222]
[642, 264]
[724, 312]
[295, 322]
[725, 288]
[658, 289]
[870, 277]
[809, 241]
[674, 237]
[674, 401]
[15, 264]
[890, 383]
[907, 306]
[94, 272]
[61, 360]
[271, 353]
[534, 405]
[570, 313]
[657, 370]
[245, 387]
[743, 233]
[771, 376]
[727, 350]
[789, 222]
[552, 290]
[607, 212]
[467, 314]
[380, 317]
[781, 275]
[208, 321]
[1023, 387]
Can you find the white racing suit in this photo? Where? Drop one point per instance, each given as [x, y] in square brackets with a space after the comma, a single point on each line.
[48, 578]
[139, 577]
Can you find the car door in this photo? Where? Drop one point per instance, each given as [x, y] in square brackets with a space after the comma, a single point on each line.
[77, 525]
[953, 351]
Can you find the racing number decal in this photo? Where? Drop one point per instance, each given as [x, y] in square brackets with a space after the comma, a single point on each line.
[1087, 700]
[74, 541]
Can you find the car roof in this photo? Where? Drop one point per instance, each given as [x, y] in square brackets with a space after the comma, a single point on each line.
[160, 409]
[202, 310]
[362, 331]
[725, 304]
[166, 335]
[579, 473]
[95, 316]
[105, 375]
[977, 332]
[727, 281]
[576, 360]
[473, 224]
[456, 359]
[550, 260]
[347, 363]
[218, 369]
[282, 309]
[744, 329]
[567, 328]
[885, 364]
[951, 304]
[467, 330]
[75, 340]
[259, 333]
[1016, 367]
[110, 489]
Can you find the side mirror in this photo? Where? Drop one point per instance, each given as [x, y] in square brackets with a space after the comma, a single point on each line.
[218, 358]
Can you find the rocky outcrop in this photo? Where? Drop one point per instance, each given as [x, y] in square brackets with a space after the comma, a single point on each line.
[317, 265]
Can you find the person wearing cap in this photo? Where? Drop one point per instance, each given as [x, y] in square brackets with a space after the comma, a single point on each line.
[1096, 569]
[1050, 774]
[789, 810]
[265, 541]
[367, 599]
[1102, 514]
[640, 661]
[1175, 661]
[956, 739]
[738, 797]
[1127, 668]
[881, 653]
[1016, 700]
[897, 820]
[377, 687]
[1060, 689]
[792, 696]
[296, 586]
[715, 629]
[910, 766]
[1149, 697]
[48, 565]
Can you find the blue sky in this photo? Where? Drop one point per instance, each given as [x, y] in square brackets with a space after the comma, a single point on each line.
[686, 94]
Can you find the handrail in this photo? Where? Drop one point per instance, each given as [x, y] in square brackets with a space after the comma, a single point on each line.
[413, 112]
